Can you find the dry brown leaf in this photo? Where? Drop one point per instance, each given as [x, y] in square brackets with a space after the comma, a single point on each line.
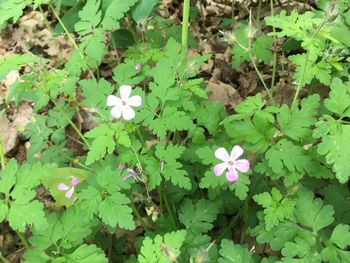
[224, 93]
[8, 134]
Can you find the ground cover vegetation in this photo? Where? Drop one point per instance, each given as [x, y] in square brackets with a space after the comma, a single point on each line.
[174, 131]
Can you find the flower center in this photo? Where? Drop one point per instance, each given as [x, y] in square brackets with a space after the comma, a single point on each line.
[231, 163]
[124, 103]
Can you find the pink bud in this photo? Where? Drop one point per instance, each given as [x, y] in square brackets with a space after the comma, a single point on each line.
[138, 66]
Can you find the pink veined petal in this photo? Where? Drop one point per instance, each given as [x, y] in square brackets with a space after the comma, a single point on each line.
[128, 113]
[113, 101]
[220, 168]
[134, 101]
[222, 154]
[69, 193]
[232, 174]
[62, 187]
[236, 152]
[125, 91]
[74, 181]
[116, 112]
[242, 165]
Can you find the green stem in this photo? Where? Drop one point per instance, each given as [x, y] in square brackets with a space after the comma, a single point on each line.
[23, 239]
[71, 39]
[185, 19]
[160, 196]
[274, 59]
[261, 79]
[2, 155]
[170, 211]
[139, 217]
[300, 84]
[73, 126]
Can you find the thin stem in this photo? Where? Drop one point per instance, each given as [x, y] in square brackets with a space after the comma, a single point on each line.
[185, 19]
[66, 31]
[300, 84]
[258, 14]
[73, 126]
[23, 239]
[261, 79]
[170, 211]
[71, 39]
[274, 59]
[139, 217]
[160, 196]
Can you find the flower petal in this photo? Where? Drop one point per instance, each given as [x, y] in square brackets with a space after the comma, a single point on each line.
[116, 112]
[125, 91]
[128, 113]
[113, 101]
[134, 101]
[222, 154]
[242, 165]
[236, 152]
[69, 193]
[232, 174]
[62, 187]
[220, 168]
[74, 181]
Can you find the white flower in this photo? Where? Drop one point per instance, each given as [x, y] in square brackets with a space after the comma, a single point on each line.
[122, 106]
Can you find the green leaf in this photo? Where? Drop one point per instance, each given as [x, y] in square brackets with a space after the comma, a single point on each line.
[115, 11]
[114, 210]
[320, 70]
[339, 98]
[90, 17]
[311, 212]
[66, 229]
[171, 120]
[91, 201]
[143, 10]
[255, 135]
[234, 253]
[341, 236]
[85, 254]
[20, 215]
[207, 155]
[12, 9]
[240, 187]
[301, 247]
[55, 176]
[15, 61]
[153, 170]
[335, 145]
[162, 249]
[295, 122]
[8, 177]
[286, 154]
[210, 121]
[262, 49]
[198, 217]
[172, 168]
[276, 207]
[102, 144]
[96, 93]
[239, 54]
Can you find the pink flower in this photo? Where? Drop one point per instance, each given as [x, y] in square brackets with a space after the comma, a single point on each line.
[69, 191]
[138, 66]
[132, 173]
[231, 163]
[122, 106]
